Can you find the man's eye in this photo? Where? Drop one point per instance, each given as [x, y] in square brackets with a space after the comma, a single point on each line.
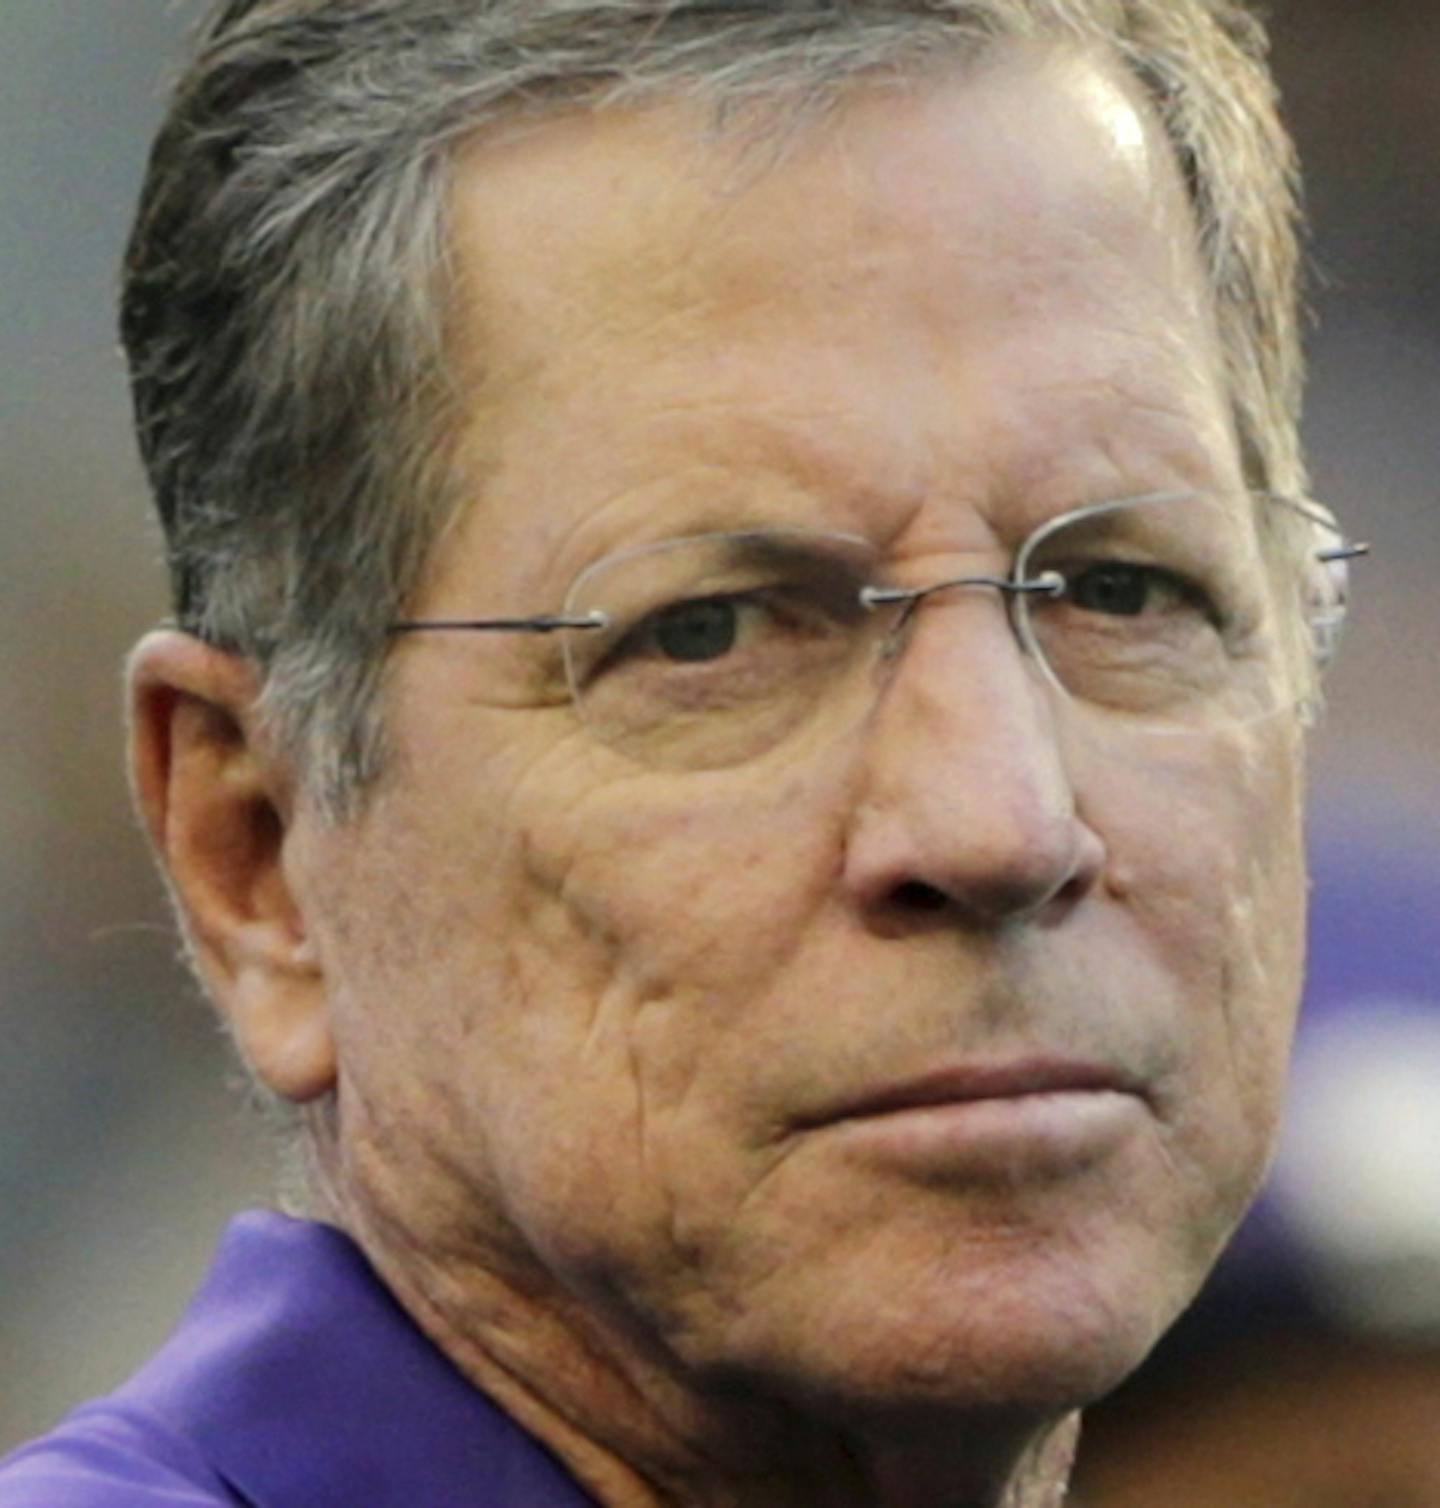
[1119, 589]
[693, 632]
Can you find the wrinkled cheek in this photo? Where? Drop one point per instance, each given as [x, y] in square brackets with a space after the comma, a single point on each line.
[662, 917]
[701, 885]
[1206, 857]
[1248, 942]
[1266, 925]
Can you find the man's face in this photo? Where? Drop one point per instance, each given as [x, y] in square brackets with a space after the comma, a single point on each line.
[648, 1037]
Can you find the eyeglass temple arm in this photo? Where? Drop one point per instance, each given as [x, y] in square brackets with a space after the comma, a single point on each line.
[1342, 553]
[545, 624]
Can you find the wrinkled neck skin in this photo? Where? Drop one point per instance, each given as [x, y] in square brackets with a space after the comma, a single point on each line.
[636, 1433]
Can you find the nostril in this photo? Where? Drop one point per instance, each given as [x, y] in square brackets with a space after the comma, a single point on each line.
[917, 896]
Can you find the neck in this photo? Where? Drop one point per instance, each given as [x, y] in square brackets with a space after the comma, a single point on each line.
[637, 1433]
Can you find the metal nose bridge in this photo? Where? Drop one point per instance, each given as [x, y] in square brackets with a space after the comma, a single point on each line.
[907, 599]
[1047, 584]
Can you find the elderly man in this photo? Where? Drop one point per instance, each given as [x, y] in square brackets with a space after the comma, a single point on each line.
[745, 615]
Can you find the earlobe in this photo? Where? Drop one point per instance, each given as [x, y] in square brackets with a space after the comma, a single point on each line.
[218, 807]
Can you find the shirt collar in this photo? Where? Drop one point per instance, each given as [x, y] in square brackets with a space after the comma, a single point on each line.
[307, 1386]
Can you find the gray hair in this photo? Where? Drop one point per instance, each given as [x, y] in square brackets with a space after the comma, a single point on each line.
[286, 295]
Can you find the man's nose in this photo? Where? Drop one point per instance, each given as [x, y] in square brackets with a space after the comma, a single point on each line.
[965, 807]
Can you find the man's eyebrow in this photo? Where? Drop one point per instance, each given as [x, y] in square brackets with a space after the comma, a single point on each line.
[754, 476]
[795, 549]
[835, 456]
[772, 473]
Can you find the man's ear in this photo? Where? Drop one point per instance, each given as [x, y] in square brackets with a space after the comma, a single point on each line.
[218, 808]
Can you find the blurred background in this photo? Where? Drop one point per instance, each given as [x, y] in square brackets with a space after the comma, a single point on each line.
[124, 1141]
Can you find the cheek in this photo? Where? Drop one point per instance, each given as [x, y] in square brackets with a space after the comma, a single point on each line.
[621, 957]
[661, 922]
[1208, 854]
[701, 889]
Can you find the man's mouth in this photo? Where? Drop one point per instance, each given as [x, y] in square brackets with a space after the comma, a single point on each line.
[985, 1121]
[983, 1080]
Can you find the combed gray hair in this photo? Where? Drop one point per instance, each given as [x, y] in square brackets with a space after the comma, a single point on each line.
[286, 300]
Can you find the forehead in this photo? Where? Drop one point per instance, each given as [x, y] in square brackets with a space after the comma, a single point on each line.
[902, 296]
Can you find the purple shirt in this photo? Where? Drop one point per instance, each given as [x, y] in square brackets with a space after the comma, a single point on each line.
[294, 1381]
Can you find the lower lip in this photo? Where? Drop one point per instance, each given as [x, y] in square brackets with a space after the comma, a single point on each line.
[1007, 1136]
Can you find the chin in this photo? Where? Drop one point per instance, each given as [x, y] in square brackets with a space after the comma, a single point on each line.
[1028, 1341]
